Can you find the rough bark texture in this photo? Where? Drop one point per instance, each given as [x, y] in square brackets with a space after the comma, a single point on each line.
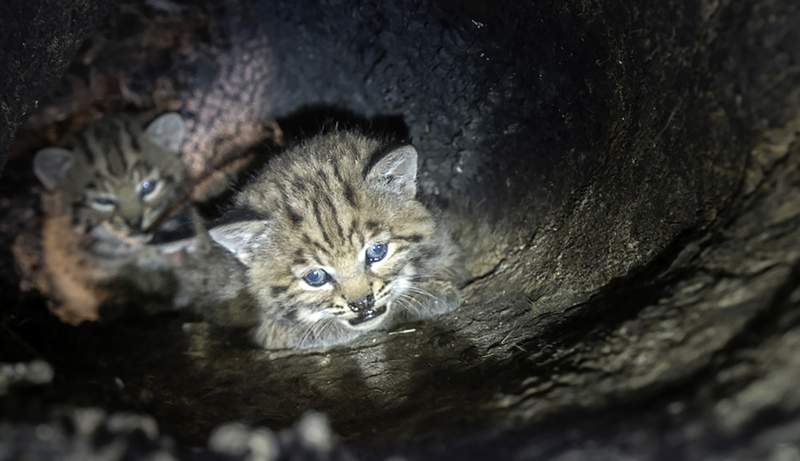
[38, 40]
[642, 298]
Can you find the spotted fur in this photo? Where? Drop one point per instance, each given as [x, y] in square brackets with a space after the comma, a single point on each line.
[320, 205]
[106, 172]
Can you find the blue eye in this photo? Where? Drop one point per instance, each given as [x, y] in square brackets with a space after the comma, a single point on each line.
[376, 252]
[316, 277]
[147, 187]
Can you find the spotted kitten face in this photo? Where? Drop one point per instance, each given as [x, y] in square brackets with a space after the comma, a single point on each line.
[118, 174]
[339, 244]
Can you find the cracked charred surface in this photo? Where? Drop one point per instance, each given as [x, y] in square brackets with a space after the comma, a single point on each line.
[37, 48]
[645, 165]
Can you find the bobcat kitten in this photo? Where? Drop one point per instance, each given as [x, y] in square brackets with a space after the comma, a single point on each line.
[337, 244]
[118, 178]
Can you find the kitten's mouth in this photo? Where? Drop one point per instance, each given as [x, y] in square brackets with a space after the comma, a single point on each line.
[106, 231]
[368, 318]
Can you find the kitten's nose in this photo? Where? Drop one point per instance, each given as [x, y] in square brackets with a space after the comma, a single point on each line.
[134, 223]
[362, 304]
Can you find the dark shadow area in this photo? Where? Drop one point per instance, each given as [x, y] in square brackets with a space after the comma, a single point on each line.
[314, 120]
[632, 171]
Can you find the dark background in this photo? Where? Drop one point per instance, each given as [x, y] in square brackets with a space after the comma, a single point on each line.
[641, 296]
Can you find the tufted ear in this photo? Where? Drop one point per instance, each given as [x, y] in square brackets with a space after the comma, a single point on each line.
[241, 238]
[168, 131]
[396, 172]
[51, 165]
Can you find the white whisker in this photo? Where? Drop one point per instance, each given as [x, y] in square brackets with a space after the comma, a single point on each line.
[423, 292]
[409, 307]
[305, 335]
[326, 324]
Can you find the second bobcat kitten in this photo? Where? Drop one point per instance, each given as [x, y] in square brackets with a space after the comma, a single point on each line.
[118, 177]
[336, 243]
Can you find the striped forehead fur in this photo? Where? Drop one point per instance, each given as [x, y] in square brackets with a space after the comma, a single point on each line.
[320, 194]
[116, 146]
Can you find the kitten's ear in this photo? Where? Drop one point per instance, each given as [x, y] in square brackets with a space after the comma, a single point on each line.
[241, 238]
[396, 172]
[168, 131]
[51, 166]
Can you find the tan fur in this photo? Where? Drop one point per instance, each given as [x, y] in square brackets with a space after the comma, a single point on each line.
[112, 157]
[321, 205]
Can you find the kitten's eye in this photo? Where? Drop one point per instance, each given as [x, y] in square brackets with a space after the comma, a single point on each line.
[316, 277]
[376, 252]
[147, 187]
[105, 204]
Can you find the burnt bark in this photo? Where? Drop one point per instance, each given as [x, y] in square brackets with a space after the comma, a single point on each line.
[641, 296]
[38, 41]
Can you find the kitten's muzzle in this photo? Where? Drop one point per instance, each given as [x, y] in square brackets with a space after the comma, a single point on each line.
[365, 310]
[134, 222]
[363, 305]
[367, 315]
